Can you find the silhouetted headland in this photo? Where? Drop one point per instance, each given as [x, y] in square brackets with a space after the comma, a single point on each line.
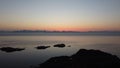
[83, 59]
[42, 47]
[59, 45]
[10, 49]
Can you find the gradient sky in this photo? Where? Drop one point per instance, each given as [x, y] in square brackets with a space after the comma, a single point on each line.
[68, 15]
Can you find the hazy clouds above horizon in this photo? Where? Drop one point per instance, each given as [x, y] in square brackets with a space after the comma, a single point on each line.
[78, 15]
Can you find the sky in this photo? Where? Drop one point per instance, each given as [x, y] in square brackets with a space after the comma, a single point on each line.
[60, 15]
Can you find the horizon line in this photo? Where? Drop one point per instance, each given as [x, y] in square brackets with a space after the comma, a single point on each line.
[58, 31]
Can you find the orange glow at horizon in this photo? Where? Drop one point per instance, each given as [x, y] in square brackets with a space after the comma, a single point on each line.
[60, 27]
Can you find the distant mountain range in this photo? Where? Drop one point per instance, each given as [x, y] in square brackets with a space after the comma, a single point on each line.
[44, 32]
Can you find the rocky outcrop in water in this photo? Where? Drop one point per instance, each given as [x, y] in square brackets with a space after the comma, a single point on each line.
[83, 59]
[42, 47]
[59, 45]
[10, 49]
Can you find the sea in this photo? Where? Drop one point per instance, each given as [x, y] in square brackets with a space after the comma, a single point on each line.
[32, 57]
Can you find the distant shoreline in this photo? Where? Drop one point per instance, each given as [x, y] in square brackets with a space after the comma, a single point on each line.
[46, 31]
[59, 33]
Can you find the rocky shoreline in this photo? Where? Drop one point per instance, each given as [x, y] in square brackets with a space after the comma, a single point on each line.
[83, 59]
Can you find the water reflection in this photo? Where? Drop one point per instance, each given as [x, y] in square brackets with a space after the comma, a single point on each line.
[32, 56]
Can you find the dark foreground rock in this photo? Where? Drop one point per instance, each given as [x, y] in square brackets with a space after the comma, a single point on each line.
[83, 59]
[59, 45]
[10, 49]
[42, 47]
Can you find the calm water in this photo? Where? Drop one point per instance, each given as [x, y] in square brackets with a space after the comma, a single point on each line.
[32, 57]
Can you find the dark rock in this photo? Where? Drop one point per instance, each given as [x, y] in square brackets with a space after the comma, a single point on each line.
[59, 45]
[69, 46]
[42, 47]
[10, 49]
[83, 59]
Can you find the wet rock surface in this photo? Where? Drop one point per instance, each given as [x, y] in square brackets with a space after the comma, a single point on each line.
[83, 59]
[10, 49]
